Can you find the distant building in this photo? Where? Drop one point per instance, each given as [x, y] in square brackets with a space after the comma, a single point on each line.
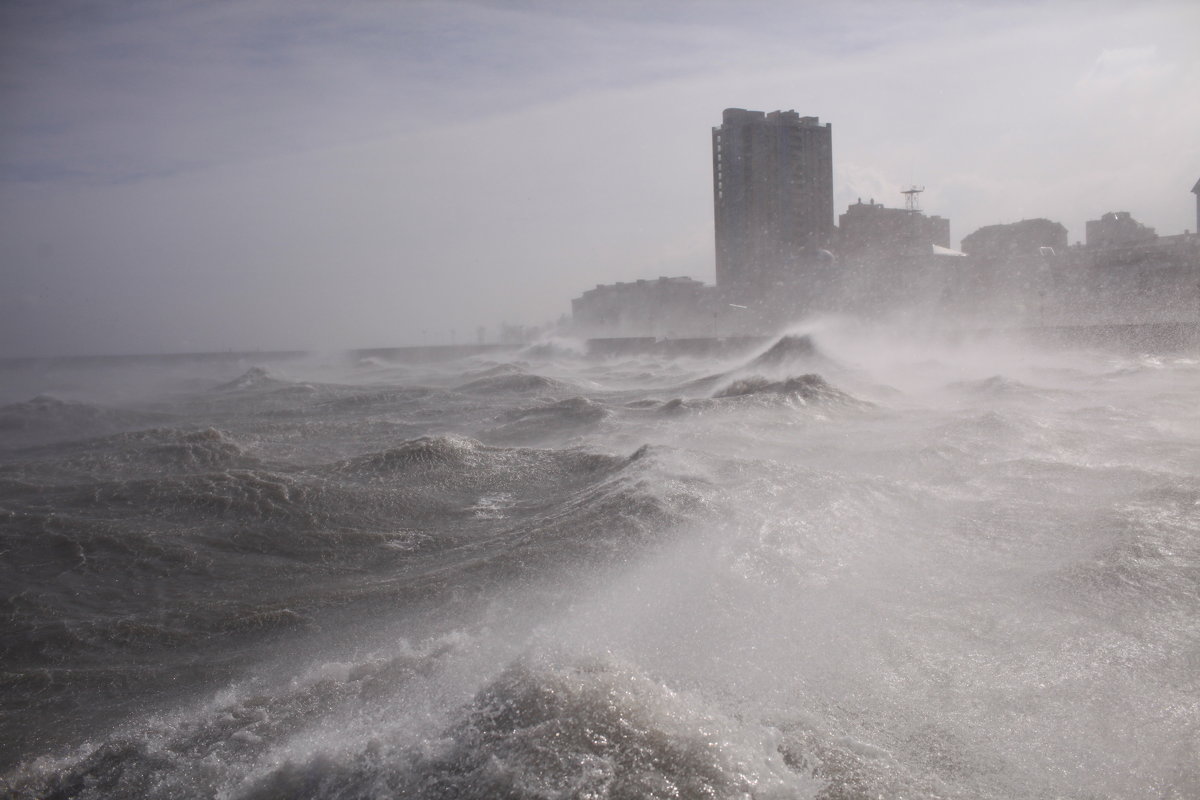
[662, 307]
[773, 199]
[890, 257]
[1124, 273]
[869, 231]
[1138, 273]
[1012, 272]
[1015, 239]
[1117, 229]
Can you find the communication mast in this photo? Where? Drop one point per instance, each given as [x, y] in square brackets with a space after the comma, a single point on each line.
[912, 199]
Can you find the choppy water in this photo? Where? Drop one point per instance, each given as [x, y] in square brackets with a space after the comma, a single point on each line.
[848, 567]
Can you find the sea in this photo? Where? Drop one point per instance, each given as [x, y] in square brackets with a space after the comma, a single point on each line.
[845, 562]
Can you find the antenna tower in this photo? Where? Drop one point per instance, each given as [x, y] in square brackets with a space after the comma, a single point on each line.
[912, 199]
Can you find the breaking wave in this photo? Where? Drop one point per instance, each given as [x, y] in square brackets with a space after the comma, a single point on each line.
[46, 419]
[515, 383]
[809, 388]
[253, 379]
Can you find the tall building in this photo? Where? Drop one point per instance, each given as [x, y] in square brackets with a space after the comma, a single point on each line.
[773, 197]
[1196, 190]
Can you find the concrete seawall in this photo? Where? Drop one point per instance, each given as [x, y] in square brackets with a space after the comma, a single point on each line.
[674, 348]
[1155, 337]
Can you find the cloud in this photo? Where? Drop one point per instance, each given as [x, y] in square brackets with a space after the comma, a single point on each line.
[1125, 67]
[281, 174]
[138, 89]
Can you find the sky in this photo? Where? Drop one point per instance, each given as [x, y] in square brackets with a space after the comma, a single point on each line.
[201, 175]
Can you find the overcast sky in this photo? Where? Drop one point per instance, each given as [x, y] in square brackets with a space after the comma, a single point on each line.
[272, 174]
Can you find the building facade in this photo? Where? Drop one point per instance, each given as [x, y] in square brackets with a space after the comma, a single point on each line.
[667, 307]
[1015, 239]
[1117, 229]
[773, 200]
[887, 257]
[871, 232]
[1196, 191]
[1135, 274]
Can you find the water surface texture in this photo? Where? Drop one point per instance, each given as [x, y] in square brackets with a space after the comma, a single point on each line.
[840, 566]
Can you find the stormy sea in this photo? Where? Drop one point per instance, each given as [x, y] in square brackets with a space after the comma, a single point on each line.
[836, 564]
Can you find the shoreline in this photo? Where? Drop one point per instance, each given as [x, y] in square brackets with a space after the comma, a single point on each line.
[1161, 337]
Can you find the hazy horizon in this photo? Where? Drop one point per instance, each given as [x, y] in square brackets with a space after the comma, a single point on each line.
[265, 175]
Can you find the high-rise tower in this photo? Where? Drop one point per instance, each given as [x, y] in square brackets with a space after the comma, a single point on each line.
[1196, 189]
[773, 197]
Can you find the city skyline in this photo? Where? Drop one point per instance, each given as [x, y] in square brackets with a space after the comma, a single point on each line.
[779, 258]
[278, 175]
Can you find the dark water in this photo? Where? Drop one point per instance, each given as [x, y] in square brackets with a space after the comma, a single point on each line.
[848, 566]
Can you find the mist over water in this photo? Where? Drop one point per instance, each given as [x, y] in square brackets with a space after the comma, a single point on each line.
[841, 565]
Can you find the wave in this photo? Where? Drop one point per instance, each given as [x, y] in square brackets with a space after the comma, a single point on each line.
[786, 352]
[810, 388]
[357, 401]
[184, 450]
[495, 370]
[154, 451]
[590, 729]
[253, 379]
[455, 472]
[556, 348]
[380, 510]
[1151, 559]
[229, 558]
[456, 452]
[541, 727]
[518, 383]
[549, 422]
[525, 509]
[212, 749]
[46, 419]
[804, 390]
[376, 510]
[1000, 387]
